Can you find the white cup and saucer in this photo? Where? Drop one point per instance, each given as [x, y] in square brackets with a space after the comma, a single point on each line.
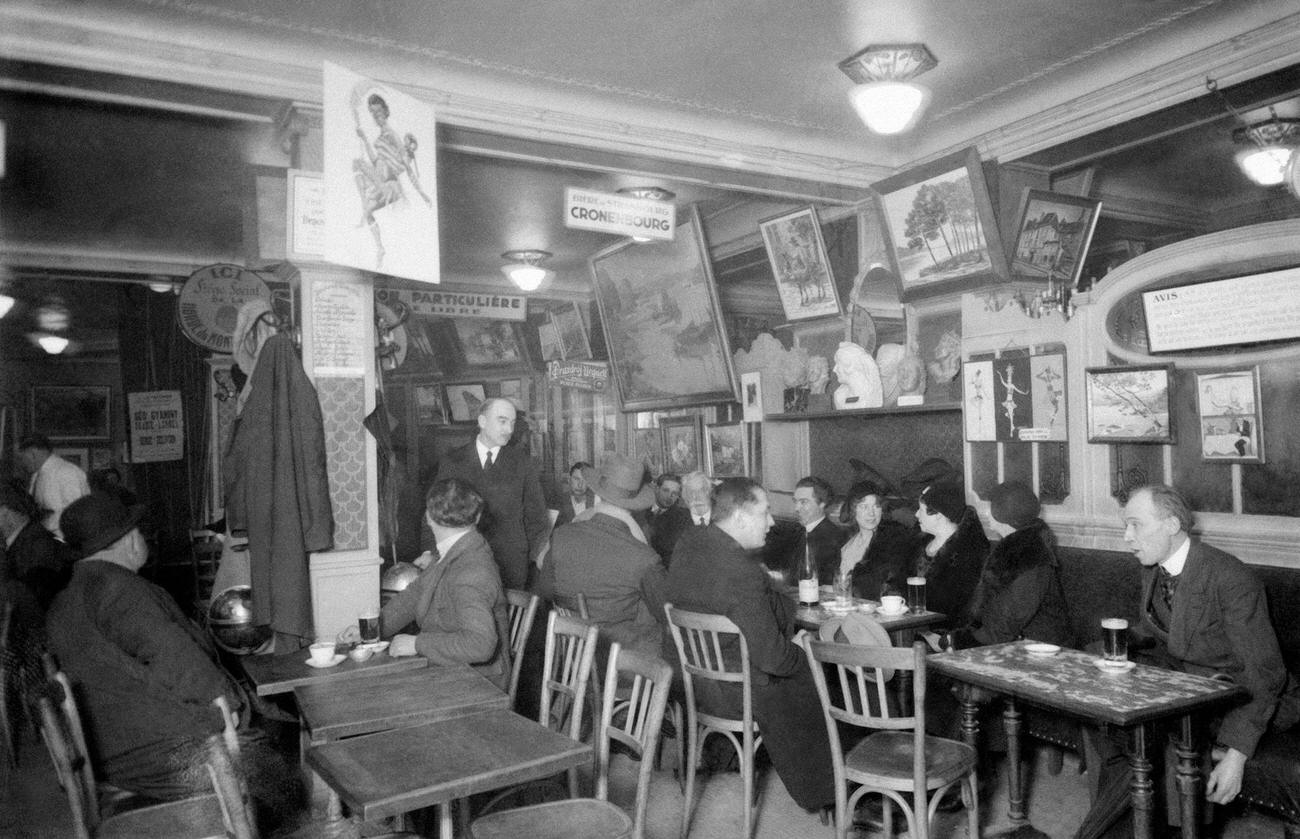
[323, 655]
[892, 605]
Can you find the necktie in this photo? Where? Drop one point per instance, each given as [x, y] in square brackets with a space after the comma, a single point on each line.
[487, 462]
[1168, 583]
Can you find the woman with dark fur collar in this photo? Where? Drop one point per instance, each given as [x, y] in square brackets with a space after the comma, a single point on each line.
[953, 550]
[1019, 594]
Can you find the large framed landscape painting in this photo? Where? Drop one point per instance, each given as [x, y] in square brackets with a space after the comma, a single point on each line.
[941, 226]
[659, 307]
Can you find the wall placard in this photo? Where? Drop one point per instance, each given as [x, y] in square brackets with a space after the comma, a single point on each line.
[1239, 310]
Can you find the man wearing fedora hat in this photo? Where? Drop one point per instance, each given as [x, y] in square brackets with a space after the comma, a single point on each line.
[603, 555]
[146, 677]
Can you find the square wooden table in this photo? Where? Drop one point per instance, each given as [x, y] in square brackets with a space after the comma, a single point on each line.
[333, 710]
[1070, 682]
[282, 672]
[401, 770]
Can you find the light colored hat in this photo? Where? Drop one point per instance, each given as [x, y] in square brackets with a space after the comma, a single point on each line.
[857, 628]
[621, 481]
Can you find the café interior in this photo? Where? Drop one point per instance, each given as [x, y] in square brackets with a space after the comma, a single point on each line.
[1111, 239]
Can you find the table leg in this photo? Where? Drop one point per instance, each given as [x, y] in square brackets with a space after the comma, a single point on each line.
[970, 717]
[1190, 784]
[1012, 718]
[1142, 791]
[903, 684]
[445, 830]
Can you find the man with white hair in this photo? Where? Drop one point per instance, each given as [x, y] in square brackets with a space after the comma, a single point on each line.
[55, 482]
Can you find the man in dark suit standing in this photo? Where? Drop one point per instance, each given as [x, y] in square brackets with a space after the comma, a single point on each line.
[515, 522]
[1202, 611]
[667, 519]
[822, 537]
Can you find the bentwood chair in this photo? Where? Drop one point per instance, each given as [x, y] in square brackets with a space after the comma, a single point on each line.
[523, 608]
[712, 648]
[572, 606]
[638, 730]
[898, 761]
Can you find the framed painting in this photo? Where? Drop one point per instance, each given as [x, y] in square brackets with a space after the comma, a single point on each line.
[71, 413]
[1012, 408]
[571, 332]
[663, 326]
[682, 444]
[941, 226]
[751, 396]
[977, 401]
[1047, 397]
[1228, 406]
[1053, 232]
[800, 265]
[490, 343]
[513, 389]
[725, 445]
[464, 400]
[549, 339]
[430, 407]
[648, 447]
[1129, 404]
[79, 455]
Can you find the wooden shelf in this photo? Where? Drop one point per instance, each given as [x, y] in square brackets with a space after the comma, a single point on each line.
[867, 413]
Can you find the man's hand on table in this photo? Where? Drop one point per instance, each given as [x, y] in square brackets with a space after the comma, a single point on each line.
[402, 645]
[1225, 779]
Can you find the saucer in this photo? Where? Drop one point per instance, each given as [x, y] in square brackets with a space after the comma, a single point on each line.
[866, 606]
[375, 646]
[1042, 649]
[333, 661]
[1116, 667]
[883, 612]
[836, 609]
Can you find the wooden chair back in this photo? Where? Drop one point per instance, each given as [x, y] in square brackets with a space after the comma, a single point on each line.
[71, 765]
[571, 606]
[636, 723]
[523, 608]
[703, 642]
[566, 670]
[232, 792]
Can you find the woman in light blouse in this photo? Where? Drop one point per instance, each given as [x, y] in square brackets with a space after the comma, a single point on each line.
[878, 555]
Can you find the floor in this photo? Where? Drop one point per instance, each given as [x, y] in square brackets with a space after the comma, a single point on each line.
[32, 806]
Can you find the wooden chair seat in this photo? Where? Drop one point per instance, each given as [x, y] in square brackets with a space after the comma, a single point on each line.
[197, 817]
[580, 818]
[884, 759]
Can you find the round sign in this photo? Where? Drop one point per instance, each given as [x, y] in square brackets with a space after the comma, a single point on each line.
[210, 301]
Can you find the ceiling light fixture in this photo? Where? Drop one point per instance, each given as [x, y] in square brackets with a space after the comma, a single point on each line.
[647, 193]
[6, 303]
[1271, 143]
[53, 315]
[160, 284]
[52, 344]
[884, 96]
[524, 269]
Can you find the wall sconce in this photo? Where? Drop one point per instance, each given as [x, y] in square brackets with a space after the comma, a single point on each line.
[525, 270]
[885, 98]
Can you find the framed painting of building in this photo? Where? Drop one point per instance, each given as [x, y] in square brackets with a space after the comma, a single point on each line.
[663, 327]
[1052, 236]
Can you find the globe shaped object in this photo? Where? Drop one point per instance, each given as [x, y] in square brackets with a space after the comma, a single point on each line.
[398, 576]
[230, 622]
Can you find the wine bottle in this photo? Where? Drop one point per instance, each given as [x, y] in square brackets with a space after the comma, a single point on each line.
[808, 587]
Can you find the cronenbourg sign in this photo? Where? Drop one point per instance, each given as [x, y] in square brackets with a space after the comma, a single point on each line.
[608, 212]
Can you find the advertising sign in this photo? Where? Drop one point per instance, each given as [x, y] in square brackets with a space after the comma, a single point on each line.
[488, 305]
[607, 212]
[583, 375]
[157, 426]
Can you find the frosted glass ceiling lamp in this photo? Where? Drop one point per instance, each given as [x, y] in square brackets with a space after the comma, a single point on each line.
[52, 344]
[6, 303]
[525, 269]
[884, 97]
[1272, 144]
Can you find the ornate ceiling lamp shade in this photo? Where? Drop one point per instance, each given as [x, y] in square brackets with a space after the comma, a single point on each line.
[525, 268]
[1273, 143]
[885, 98]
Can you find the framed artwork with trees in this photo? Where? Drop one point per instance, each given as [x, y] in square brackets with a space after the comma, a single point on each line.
[942, 230]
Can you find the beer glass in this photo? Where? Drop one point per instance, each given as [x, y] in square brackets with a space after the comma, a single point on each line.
[842, 585]
[368, 623]
[916, 594]
[1114, 640]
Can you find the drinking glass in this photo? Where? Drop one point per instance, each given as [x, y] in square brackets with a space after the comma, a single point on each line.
[916, 594]
[842, 585]
[1114, 640]
[368, 624]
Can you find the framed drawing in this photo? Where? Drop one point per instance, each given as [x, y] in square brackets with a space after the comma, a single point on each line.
[648, 447]
[1011, 411]
[941, 226]
[430, 408]
[663, 325]
[490, 343]
[977, 401]
[1129, 404]
[1228, 407]
[1047, 397]
[682, 444]
[802, 269]
[571, 332]
[1052, 236]
[464, 400]
[725, 447]
[80, 455]
[549, 339]
[71, 413]
[751, 396]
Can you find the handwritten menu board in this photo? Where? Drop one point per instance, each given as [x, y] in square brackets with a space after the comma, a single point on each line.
[1241, 310]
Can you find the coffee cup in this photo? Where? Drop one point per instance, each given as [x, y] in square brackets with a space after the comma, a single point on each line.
[892, 604]
[322, 652]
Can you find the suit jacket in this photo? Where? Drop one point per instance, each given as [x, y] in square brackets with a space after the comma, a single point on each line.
[515, 521]
[461, 611]
[38, 561]
[712, 573]
[1220, 625]
[566, 507]
[146, 676]
[665, 528]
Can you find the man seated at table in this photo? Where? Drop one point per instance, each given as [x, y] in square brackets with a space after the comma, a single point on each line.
[1204, 612]
[457, 604]
[713, 572]
[666, 519]
[579, 497]
[600, 557]
[697, 492]
[821, 537]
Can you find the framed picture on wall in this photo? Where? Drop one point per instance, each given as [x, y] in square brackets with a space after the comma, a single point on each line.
[513, 389]
[1228, 407]
[490, 343]
[683, 443]
[797, 255]
[71, 413]
[1129, 404]
[464, 400]
[78, 455]
[648, 447]
[571, 332]
[430, 407]
[977, 401]
[751, 396]
[1052, 236]
[941, 226]
[725, 444]
[1047, 397]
